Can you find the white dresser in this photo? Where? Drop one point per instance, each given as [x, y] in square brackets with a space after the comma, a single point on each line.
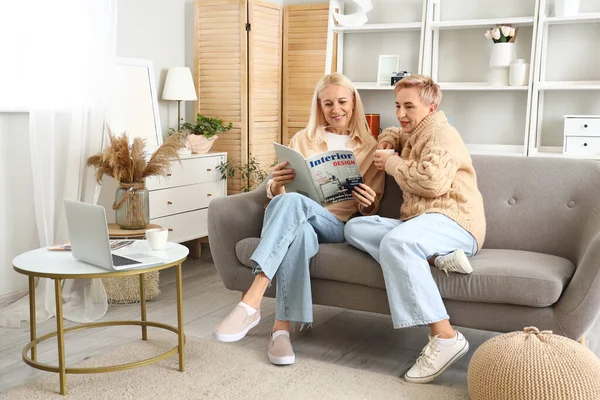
[582, 136]
[179, 202]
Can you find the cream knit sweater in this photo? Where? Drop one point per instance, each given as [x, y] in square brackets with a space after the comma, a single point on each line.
[436, 174]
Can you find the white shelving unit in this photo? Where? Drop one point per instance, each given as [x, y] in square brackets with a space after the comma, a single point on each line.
[507, 120]
[372, 28]
[548, 92]
[480, 92]
[479, 23]
[385, 29]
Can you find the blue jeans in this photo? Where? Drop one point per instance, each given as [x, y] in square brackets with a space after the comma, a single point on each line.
[293, 227]
[403, 248]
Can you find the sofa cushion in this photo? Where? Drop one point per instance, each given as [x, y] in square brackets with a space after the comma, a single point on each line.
[499, 276]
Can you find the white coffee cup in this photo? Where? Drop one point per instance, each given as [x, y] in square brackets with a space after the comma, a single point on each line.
[385, 151]
[157, 238]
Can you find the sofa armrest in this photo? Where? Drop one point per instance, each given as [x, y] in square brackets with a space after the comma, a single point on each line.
[579, 305]
[231, 219]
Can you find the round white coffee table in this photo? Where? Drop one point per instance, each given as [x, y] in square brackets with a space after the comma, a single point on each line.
[60, 265]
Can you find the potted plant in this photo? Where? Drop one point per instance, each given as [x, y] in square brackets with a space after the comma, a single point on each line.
[127, 164]
[251, 174]
[201, 135]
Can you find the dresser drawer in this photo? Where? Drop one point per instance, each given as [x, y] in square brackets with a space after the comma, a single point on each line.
[186, 226]
[190, 171]
[582, 126]
[184, 198]
[582, 146]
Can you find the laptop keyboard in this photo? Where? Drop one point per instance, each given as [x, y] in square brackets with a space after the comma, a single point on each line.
[119, 261]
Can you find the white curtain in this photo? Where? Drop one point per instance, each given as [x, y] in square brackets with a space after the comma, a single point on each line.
[67, 52]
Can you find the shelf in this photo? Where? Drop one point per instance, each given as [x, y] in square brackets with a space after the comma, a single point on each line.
[478, 86]
[482, 23]
[569, 85]
[373, 28]
[497, 149]
[448, 86]
[372, 86]
[576, 19]
[557, 152]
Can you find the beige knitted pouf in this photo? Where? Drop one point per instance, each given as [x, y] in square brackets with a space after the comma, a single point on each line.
[533, 365]
[126, 289]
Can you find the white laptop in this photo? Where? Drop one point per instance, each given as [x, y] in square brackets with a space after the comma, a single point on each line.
[88, 233]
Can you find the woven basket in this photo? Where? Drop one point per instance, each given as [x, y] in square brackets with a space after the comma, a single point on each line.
[533, 365]
[126, 289]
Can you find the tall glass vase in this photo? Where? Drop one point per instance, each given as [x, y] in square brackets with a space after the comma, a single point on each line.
[132, 208]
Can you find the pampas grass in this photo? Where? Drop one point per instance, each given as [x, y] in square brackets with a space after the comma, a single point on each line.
[127, 164]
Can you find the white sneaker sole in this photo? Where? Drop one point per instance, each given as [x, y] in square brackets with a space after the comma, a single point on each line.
[281, 360]
[234, 337]
[461, 265]
[430, 378]
[464, 263]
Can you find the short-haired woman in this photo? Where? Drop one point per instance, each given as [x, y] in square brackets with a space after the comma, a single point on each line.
[294, 225]
[441, 220]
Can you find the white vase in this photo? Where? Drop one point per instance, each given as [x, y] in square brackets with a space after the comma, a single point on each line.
[503, 54]
[498, 76]
[518, 73]
[566, 8]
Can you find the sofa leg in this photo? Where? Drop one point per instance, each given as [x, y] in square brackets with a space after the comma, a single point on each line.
[582, 340]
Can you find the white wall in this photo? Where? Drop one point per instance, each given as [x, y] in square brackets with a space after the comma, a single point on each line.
[159, 30]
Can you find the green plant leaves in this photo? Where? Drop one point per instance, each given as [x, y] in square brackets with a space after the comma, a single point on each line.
[251, 174]
[206, 126]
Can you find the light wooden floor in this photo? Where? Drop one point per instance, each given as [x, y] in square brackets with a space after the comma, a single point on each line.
[354, 339]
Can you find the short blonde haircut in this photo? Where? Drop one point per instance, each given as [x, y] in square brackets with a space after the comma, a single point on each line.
[358, 122]
[430, 91]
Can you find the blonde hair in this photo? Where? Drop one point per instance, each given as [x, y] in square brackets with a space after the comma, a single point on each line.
[358, 122]
[430, 91]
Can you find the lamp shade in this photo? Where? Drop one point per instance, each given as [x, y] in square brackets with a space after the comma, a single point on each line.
[179, 85]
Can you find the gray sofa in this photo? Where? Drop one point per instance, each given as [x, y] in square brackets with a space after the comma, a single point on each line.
[539, 266]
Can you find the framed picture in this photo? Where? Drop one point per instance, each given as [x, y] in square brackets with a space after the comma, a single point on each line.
[388, 64]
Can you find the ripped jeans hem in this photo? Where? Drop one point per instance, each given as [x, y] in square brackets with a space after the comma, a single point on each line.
[258, 270]
[418, 323]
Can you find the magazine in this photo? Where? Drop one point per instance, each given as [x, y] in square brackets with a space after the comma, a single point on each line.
[326, 178]
[114, 245]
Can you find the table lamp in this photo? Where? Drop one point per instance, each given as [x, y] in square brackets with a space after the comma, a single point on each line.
[179, 86]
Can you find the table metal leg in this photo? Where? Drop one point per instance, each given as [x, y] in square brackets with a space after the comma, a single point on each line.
[180, 333]
[32, 321]
[60, 336]
[143, 305]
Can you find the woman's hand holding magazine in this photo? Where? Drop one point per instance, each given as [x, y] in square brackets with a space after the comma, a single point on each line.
[364, 195]
[281, 176]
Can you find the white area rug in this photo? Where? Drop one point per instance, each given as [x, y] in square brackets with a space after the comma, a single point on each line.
[215, 370]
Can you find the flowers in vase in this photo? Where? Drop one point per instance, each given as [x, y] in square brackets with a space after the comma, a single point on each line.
[502, 34]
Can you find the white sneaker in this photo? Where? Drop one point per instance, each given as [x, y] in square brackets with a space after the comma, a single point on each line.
[435, 359]
[456, 261]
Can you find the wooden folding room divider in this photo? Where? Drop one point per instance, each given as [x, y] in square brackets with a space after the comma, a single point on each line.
[258, 72]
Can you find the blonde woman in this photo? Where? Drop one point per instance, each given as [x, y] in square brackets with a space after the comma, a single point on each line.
[294, 225]
[441, 218]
